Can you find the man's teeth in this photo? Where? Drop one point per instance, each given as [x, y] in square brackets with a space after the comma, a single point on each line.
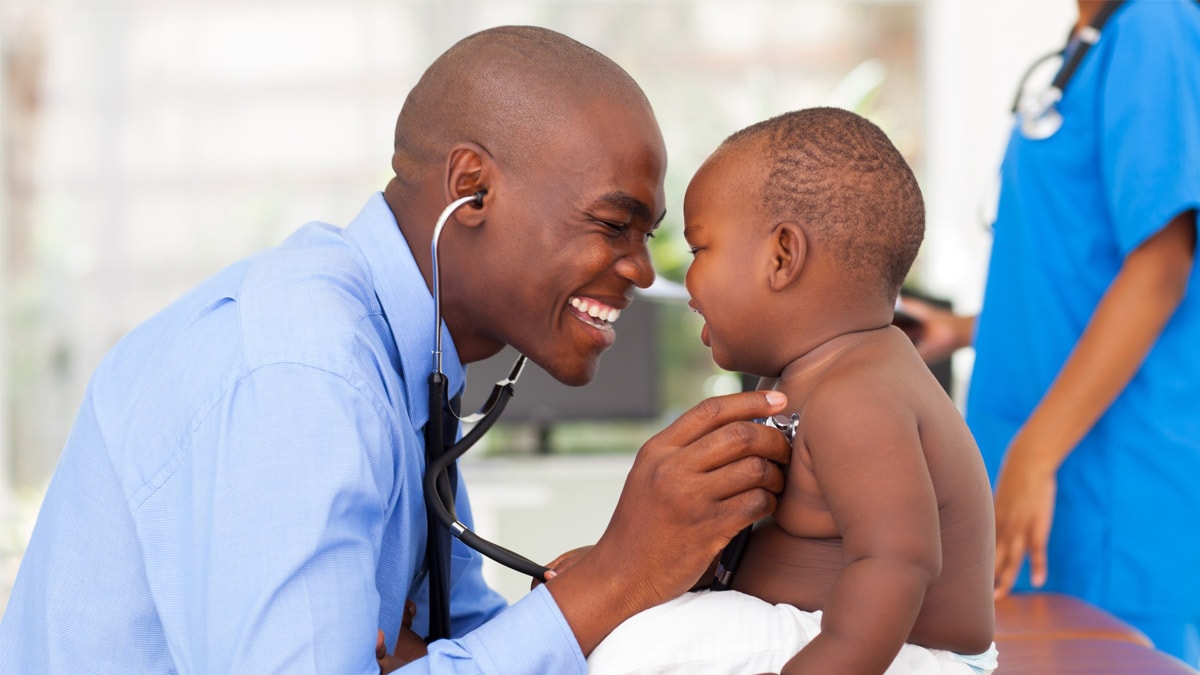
[596, 310]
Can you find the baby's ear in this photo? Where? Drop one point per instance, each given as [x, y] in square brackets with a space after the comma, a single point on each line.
[789, 249]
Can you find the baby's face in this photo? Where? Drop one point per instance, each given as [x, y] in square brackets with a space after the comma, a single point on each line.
[730, 258]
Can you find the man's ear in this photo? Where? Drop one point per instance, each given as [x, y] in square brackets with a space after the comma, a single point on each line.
[469, 170]
[789, 250]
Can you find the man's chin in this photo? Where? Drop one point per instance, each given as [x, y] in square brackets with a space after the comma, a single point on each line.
[575, 378]
[573, 372]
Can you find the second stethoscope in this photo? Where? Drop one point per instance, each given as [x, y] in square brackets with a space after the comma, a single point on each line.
[440, 456]
[1037, 114]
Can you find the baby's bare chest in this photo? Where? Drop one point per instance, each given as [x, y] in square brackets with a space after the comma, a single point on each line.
[780, 567]
[802, 510]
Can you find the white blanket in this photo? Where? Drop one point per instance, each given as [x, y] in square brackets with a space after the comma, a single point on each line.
[731, 633]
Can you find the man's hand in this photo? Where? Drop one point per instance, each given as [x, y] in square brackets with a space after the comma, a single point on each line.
[691, 489]
[1024, 513]
[559, 564]
[409, 645]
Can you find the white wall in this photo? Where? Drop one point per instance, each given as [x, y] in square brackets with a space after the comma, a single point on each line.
[5, 449]
[542, 507]
[975, 53]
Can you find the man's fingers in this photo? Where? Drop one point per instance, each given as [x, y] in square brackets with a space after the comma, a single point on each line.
[746, 474]
[748, 507]
[714, 413]
[739, 440]
[743, 492]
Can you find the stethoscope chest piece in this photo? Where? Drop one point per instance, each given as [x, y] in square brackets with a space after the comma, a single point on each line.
[1039, 115]
[785, 423]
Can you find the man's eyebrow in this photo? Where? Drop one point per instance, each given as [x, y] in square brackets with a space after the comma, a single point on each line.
[632, 205]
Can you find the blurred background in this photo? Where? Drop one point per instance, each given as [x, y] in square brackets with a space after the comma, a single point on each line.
[145, 144]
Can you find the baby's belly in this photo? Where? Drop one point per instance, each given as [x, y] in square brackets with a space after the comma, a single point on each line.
[779, 567]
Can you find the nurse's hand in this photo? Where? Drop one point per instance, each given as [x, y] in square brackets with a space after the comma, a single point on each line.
[941, 333]
[691, 489]
[1024, 513]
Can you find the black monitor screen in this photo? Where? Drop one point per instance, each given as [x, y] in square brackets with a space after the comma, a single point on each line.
[625, 386]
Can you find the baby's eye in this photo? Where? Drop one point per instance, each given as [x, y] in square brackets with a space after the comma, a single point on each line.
[693, 249]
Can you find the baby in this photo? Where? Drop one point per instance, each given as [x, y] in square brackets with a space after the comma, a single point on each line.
[879, 556]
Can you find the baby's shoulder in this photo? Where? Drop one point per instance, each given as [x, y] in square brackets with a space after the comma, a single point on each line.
[869, 390]
[869, 375]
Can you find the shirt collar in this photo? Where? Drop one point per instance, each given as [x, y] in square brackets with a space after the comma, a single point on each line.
[407, 305]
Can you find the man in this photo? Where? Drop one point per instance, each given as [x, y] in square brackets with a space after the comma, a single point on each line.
[241, 492]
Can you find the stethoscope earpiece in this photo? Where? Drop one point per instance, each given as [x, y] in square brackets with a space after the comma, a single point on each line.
[478, 201]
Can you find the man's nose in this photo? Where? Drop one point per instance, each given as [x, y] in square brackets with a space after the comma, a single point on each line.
[636, 267]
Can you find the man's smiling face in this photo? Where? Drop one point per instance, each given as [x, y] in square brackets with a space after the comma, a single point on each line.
[570, 227]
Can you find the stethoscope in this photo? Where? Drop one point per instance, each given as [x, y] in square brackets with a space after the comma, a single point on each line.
[439, 457]
[1038, 117]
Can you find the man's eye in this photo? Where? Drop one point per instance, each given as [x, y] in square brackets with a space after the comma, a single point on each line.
[618, 228]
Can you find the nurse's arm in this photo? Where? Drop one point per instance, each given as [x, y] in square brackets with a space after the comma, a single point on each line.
[1124, 327]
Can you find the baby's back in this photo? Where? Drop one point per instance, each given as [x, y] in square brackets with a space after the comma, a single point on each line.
[878, 435]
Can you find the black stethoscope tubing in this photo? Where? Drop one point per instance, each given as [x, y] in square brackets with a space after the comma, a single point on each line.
[439, 497]
[436, 485]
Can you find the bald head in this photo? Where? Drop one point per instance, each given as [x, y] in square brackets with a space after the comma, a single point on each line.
[507, 89]
[566, 147]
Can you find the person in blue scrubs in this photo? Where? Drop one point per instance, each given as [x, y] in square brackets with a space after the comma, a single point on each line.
[1085, 396]
[241, 492]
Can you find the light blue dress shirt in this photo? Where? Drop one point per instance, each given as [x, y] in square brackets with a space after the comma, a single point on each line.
[241, 491]
[1072, 207]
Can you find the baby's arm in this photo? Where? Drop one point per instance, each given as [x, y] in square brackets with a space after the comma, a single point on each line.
[869, 463]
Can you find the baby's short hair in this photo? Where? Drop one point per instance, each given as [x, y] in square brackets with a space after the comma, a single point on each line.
[838, 175]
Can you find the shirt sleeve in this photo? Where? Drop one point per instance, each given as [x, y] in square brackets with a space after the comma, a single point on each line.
[531, 637]
[1150, 117]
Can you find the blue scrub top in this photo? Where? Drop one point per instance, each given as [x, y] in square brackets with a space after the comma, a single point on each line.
[1126, 533]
